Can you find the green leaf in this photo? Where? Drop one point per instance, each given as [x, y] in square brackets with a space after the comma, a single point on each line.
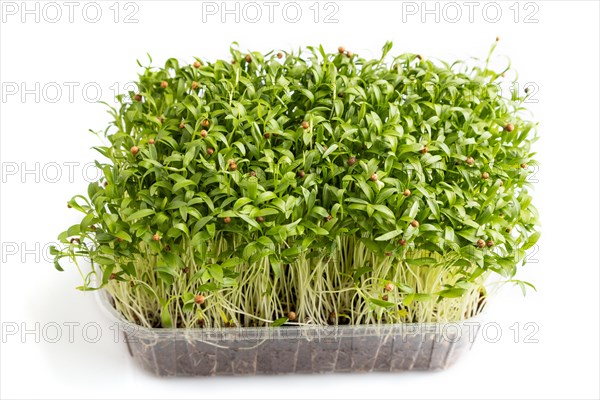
[57, 265]
[182, 184]
[74, 230]
[330, 150]
[103, 260]
[241, 202]
[189, 156]
[433, 206]
[279, 321]
[420, 262]
[382, 303]
[140, 214]
[385, 211]
[165, 316]
[216, 271]
[452, 293]
[414, 209]
[291, 252]
[123, 235]
[249, 220]
[531, 241]
[360, 272]
[389, 235]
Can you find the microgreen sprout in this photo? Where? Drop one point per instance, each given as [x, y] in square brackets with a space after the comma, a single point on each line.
[346, 189]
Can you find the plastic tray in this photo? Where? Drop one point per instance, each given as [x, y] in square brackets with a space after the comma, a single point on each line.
[295, 349]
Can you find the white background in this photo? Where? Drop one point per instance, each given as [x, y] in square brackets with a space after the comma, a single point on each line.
[559, 53]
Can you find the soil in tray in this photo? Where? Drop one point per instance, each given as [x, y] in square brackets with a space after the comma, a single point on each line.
[363, 350]
[278, 356]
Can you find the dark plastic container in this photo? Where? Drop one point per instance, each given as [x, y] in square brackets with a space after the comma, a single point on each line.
[296, 349]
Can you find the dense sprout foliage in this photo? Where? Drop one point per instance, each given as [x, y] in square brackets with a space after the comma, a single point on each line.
[326, 189]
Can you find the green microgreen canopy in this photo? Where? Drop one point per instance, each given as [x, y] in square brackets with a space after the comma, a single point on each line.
[314, 187]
